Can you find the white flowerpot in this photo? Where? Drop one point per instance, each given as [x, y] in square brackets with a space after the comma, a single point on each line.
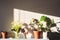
[45, 35]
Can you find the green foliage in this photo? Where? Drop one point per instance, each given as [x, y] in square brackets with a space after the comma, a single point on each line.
[43, 18]
[16, 27]
[48, 23]
[46, 19]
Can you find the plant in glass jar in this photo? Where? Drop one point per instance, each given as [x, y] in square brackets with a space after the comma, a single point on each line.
[16, 26]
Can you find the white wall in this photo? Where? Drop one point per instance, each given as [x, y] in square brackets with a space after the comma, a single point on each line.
[25, 16]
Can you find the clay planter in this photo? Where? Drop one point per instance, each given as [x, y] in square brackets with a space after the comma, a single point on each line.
[37, 34]
[3, 35]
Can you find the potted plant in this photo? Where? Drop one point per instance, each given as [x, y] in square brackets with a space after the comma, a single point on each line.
[45, 24]
[16, 26]
[35, 26]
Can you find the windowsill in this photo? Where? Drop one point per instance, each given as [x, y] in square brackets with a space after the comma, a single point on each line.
[24, 39]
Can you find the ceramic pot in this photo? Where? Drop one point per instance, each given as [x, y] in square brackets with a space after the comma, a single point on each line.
[45, 35]
[35, 34]
[3, 35]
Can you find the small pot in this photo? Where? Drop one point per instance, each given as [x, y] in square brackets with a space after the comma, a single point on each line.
[37, 34]
[45, 35]
[3, 35]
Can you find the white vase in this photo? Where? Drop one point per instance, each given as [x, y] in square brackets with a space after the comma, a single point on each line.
[45, 35]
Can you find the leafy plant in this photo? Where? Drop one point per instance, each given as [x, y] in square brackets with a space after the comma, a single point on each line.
[34, 24]
[16, 26]
[47, 21]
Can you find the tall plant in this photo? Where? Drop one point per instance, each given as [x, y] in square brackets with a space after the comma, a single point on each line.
[45, 23]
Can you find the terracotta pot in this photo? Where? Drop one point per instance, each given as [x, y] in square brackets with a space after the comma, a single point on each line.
[36, 34]
[3, 35]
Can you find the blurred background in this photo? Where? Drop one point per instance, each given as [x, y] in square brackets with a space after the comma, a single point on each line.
[49, 7]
